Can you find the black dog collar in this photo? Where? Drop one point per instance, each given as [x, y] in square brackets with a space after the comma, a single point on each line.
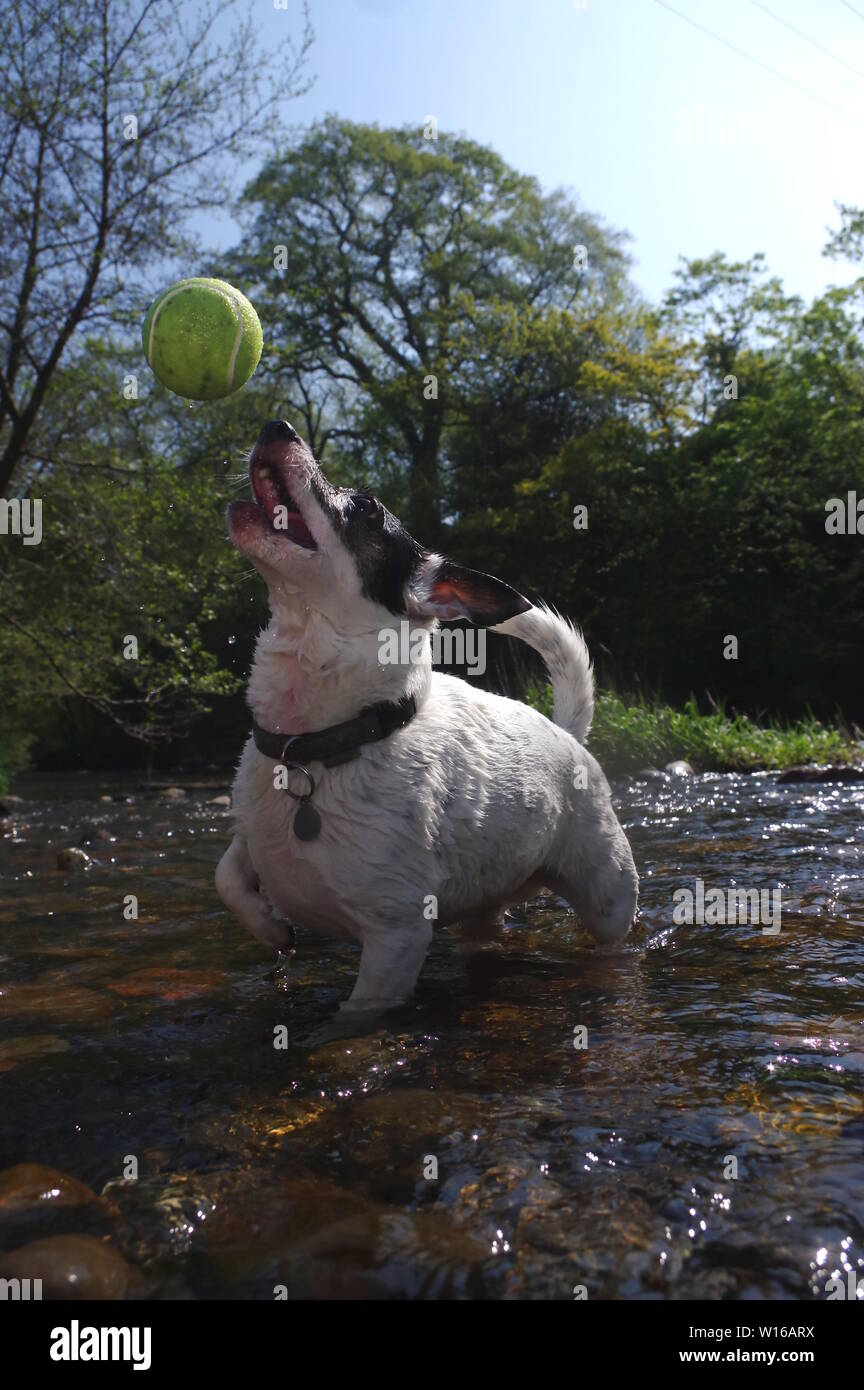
[338, 744]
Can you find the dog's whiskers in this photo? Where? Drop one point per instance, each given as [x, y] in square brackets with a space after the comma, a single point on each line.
[233, 481]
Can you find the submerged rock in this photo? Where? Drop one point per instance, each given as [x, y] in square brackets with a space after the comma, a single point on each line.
[38, 1202]
[73, 859]
[59, 1004]
[29, 1185]
[91, 832]
[73, 1267]
[16, 1050]
[168, 983]
[280, 1214]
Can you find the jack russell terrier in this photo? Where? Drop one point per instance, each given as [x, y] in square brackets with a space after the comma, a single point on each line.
[375, 799]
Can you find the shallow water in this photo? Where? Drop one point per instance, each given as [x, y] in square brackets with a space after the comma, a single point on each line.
[608, 1167]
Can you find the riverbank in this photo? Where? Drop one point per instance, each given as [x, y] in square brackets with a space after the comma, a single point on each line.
[632, 733]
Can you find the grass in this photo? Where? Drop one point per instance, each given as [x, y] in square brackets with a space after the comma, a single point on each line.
[628, 734]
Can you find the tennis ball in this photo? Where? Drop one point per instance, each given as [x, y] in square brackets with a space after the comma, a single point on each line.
[202, 339]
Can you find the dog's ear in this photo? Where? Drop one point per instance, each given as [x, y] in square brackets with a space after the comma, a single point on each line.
[440, 589]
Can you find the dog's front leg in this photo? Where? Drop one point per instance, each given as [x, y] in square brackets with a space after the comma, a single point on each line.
[389, 965]
[237, 886]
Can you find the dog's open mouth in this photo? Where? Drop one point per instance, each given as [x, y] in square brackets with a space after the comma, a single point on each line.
[273, 495]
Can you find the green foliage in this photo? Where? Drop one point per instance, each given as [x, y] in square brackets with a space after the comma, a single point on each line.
[409, 259]
[126, 607]
[628, 734]
[704, 437]
[104, 161]
[14, 753]
[714, 525]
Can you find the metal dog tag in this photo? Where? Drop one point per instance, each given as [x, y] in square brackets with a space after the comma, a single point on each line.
[307, 822]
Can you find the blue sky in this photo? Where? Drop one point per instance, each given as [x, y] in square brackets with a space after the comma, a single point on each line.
[653, 125]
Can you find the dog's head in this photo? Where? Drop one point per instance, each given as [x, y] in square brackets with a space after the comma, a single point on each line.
[343, 554]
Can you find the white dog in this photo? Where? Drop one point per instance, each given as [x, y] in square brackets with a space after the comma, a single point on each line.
[377, 799]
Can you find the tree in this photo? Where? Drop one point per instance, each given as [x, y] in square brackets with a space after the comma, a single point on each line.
[716, 308]
[119, 119]
[132, 617]
[401, 253]
[847, 241]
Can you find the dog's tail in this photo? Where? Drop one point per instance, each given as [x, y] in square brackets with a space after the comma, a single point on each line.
[563, 649]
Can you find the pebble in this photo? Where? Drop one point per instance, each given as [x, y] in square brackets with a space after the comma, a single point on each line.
[73, 859]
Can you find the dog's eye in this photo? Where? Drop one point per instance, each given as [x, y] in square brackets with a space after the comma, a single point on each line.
[366, 505]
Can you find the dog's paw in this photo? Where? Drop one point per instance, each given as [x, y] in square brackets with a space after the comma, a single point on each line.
[342, 1027]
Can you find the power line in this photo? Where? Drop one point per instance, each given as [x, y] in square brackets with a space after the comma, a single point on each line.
[790, 81]
[852, 8]
[820, 48]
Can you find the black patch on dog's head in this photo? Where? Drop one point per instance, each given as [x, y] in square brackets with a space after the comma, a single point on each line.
[385, 554]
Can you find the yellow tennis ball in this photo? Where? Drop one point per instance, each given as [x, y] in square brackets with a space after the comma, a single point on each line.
[202, 339]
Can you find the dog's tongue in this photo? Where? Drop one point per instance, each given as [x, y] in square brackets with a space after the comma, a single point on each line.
[292, 525]
[273, 495]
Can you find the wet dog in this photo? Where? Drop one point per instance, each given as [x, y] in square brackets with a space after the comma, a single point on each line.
[377, 797]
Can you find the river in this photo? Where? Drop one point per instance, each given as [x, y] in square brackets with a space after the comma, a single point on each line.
[683, 1118]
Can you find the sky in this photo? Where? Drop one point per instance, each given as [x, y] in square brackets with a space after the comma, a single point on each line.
[653, 125]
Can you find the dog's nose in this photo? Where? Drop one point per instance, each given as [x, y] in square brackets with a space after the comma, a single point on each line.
[275, 430]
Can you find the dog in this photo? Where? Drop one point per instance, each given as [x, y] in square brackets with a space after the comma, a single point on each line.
[377, 798]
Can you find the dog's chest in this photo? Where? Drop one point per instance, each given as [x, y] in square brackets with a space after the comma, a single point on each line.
[335, 882]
